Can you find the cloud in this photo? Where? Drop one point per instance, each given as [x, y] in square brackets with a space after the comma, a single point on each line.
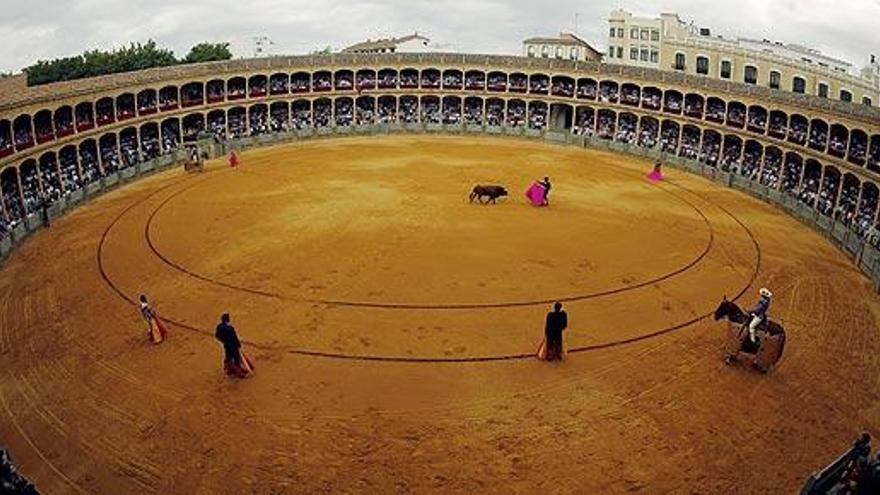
[53, 28]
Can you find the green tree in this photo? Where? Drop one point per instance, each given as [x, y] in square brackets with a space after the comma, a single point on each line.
[135, 56]
[208, 52]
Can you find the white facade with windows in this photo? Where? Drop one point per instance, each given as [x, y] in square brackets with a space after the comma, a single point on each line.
[683, 47]
[565, 46]
[634, 40]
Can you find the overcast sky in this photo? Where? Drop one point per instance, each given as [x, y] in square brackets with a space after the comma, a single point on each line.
[41, 29]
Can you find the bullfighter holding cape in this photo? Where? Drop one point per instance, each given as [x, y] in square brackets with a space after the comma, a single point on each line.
[155, 328]
[551, 348]
[235, 361]
[233, 159]
[657, 173]
[538, 193]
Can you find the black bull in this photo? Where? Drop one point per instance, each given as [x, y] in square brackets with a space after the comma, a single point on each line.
[492, 192]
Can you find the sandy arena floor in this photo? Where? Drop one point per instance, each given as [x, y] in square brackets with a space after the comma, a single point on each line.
[392, 324]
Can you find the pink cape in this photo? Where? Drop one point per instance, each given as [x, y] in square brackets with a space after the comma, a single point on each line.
[655, 176]
[535, 194]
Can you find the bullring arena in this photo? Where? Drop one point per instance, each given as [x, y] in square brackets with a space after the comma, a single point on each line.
[393, 324]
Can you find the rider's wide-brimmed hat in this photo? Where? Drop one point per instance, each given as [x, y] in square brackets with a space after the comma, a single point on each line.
[766, 292]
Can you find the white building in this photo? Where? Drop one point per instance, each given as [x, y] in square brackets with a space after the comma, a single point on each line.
[666, 42]
[565, 46]
[635, 40]
[413, 43]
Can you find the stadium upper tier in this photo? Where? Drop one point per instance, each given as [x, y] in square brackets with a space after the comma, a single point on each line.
[59, 137]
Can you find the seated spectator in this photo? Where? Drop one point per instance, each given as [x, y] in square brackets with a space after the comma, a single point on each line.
[538, 118]
[11, 481]
[451, 114]
[473, 114]
[344, 113]
[409, 110]
[495, 114]
[516, 114]
[431, 113]
[673, 102]
[452, 80]
[518, 83]
[497, 82]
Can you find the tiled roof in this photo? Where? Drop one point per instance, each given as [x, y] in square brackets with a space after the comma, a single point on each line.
[383, 44]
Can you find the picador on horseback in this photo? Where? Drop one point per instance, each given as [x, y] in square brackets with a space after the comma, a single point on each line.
[752, 332]
[758, 312]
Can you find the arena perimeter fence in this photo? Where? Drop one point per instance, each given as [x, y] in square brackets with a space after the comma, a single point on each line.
[865, 256]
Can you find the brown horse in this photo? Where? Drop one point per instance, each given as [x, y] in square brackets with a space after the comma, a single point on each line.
[770, 337]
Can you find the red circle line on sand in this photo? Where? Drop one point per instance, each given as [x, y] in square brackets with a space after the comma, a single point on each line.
[148, 236]
[403, 359]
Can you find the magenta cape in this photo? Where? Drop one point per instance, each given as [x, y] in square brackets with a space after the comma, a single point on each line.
[655, 175]
[535, 194]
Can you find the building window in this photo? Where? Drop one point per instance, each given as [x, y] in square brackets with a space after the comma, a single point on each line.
[633, 53]
[845, 95]
[644, 55]
[775, 79]
[611, 33]
[726, 69]
[799, 85]
[634, 33]
[559, 52]
[866, 101]
[655, 56]
[573, 53]
[531, 50]
[545, 51]
[655, 35]
[703, 65]
[823, 90]
[610, 51]
[750, 75]
[644, 35]
[619, 52]
[620, 32]
[679, 61]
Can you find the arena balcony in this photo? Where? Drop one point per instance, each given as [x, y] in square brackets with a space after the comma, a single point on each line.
[236, 88]
[146, 102]
[257, 86]
[43, 127]
[387, 79]
[518, 83]
[300, 82]
[192, 95]
[497, 81]
[453, 79]
[279, 84]
[168, 98]
[125, 107]
[6, 148]
[587, 89]
[216, 91]
[475, 80]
